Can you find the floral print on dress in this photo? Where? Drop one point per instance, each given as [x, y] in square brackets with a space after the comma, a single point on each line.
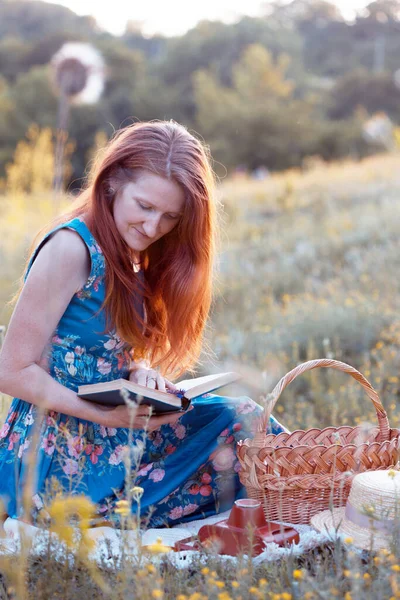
[186, 469]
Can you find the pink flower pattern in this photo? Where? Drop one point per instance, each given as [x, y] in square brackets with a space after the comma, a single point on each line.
[70, 467]
[49, 443]
[157, 475]
[75, 446]
[4, 430]
[223, 458]
[94, 452]
[116, 456]
[176, 513]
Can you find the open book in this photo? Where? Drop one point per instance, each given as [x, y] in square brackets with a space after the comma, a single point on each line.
[110, 392]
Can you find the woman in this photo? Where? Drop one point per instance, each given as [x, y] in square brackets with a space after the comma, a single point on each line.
[120, 282]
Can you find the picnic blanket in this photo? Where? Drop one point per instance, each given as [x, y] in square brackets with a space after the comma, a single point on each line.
[108, 541]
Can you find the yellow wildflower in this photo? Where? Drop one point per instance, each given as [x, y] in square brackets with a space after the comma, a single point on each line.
[348, 596]
[137, 492]
[253, 590]
[346, 573]
[220, 584]
[286, 596]
[396, 568]
[298, 574]
[158, 547]
[157, 593]
[205, 570]
[235, 584]
[334, 591]
[151, 568]
[64, 511]
[262, 582]
[224, 596]
[122, 508]
[181, 597]
[348, 540]
[141, 573]
[308, 596]
[369, 510]
[392, 473]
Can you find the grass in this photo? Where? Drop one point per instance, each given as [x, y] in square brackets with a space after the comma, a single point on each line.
[308, 268]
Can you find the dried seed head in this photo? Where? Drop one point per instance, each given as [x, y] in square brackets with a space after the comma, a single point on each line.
[78, 72]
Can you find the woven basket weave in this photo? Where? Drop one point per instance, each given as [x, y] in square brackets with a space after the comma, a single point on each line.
[299, 474]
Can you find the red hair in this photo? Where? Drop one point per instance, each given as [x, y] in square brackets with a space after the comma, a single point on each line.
[177, 282]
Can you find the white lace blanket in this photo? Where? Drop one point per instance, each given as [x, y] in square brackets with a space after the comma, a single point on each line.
[110, 550]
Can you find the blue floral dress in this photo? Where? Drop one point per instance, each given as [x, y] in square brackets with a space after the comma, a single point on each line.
[186, 470]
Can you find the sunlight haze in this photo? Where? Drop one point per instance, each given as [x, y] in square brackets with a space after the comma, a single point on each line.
[173, 17]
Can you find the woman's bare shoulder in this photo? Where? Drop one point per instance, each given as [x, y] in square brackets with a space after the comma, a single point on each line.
[65, 254]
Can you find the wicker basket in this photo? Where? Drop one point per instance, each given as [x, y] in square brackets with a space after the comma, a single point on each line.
[299, 474]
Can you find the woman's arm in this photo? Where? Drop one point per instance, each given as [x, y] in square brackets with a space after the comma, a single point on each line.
[60, 269]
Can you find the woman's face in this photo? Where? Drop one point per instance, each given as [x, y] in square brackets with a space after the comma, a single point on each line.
[147, 209]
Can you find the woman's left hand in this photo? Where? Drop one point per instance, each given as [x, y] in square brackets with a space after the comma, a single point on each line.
[151, 378]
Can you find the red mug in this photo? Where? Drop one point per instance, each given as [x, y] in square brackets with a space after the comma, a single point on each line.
[245, 531]
[247, 513]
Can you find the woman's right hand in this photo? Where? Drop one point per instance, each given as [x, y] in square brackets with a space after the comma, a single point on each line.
[137, 418]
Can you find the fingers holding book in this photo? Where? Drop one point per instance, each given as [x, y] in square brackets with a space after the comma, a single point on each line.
[152, 379]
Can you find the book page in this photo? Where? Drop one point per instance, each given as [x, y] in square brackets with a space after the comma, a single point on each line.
[208, 383]
[188, 384]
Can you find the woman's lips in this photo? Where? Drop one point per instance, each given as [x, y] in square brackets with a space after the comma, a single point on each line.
[142, 234]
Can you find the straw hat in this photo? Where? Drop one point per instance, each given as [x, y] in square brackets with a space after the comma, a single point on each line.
[371, 515]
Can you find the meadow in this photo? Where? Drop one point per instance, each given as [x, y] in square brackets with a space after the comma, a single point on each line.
[308, 268]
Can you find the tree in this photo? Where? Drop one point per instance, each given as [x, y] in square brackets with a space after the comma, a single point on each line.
[256, 76]
[374, 91]
[303, 14]
[383, 11]
[35, 20]
[13, 54]
[256, 122]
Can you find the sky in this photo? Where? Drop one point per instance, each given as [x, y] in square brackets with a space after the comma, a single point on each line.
[174, 17]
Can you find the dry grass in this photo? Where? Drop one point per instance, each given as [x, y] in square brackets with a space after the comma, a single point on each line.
[309, 268]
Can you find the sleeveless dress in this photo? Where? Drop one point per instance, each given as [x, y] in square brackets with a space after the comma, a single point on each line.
[187, 470]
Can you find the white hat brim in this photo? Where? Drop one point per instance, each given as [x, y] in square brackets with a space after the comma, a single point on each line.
[362, 537]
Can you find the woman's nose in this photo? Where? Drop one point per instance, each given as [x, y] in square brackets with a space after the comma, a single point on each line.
[151, 225]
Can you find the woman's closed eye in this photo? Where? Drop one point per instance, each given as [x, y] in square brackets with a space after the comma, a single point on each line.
[148, 208]
[144, 206]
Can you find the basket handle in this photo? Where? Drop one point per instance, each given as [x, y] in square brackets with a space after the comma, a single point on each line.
[383, 421]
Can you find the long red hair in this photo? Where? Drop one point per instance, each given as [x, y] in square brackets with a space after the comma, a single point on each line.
[177, 269]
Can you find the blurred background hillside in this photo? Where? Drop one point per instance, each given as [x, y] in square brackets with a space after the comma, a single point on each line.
[301, 109]
[270, 90]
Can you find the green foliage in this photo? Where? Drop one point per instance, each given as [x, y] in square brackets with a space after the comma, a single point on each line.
[377, 91]
[269, 91]
[35, 20]
[33, 101]
[257, 121]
